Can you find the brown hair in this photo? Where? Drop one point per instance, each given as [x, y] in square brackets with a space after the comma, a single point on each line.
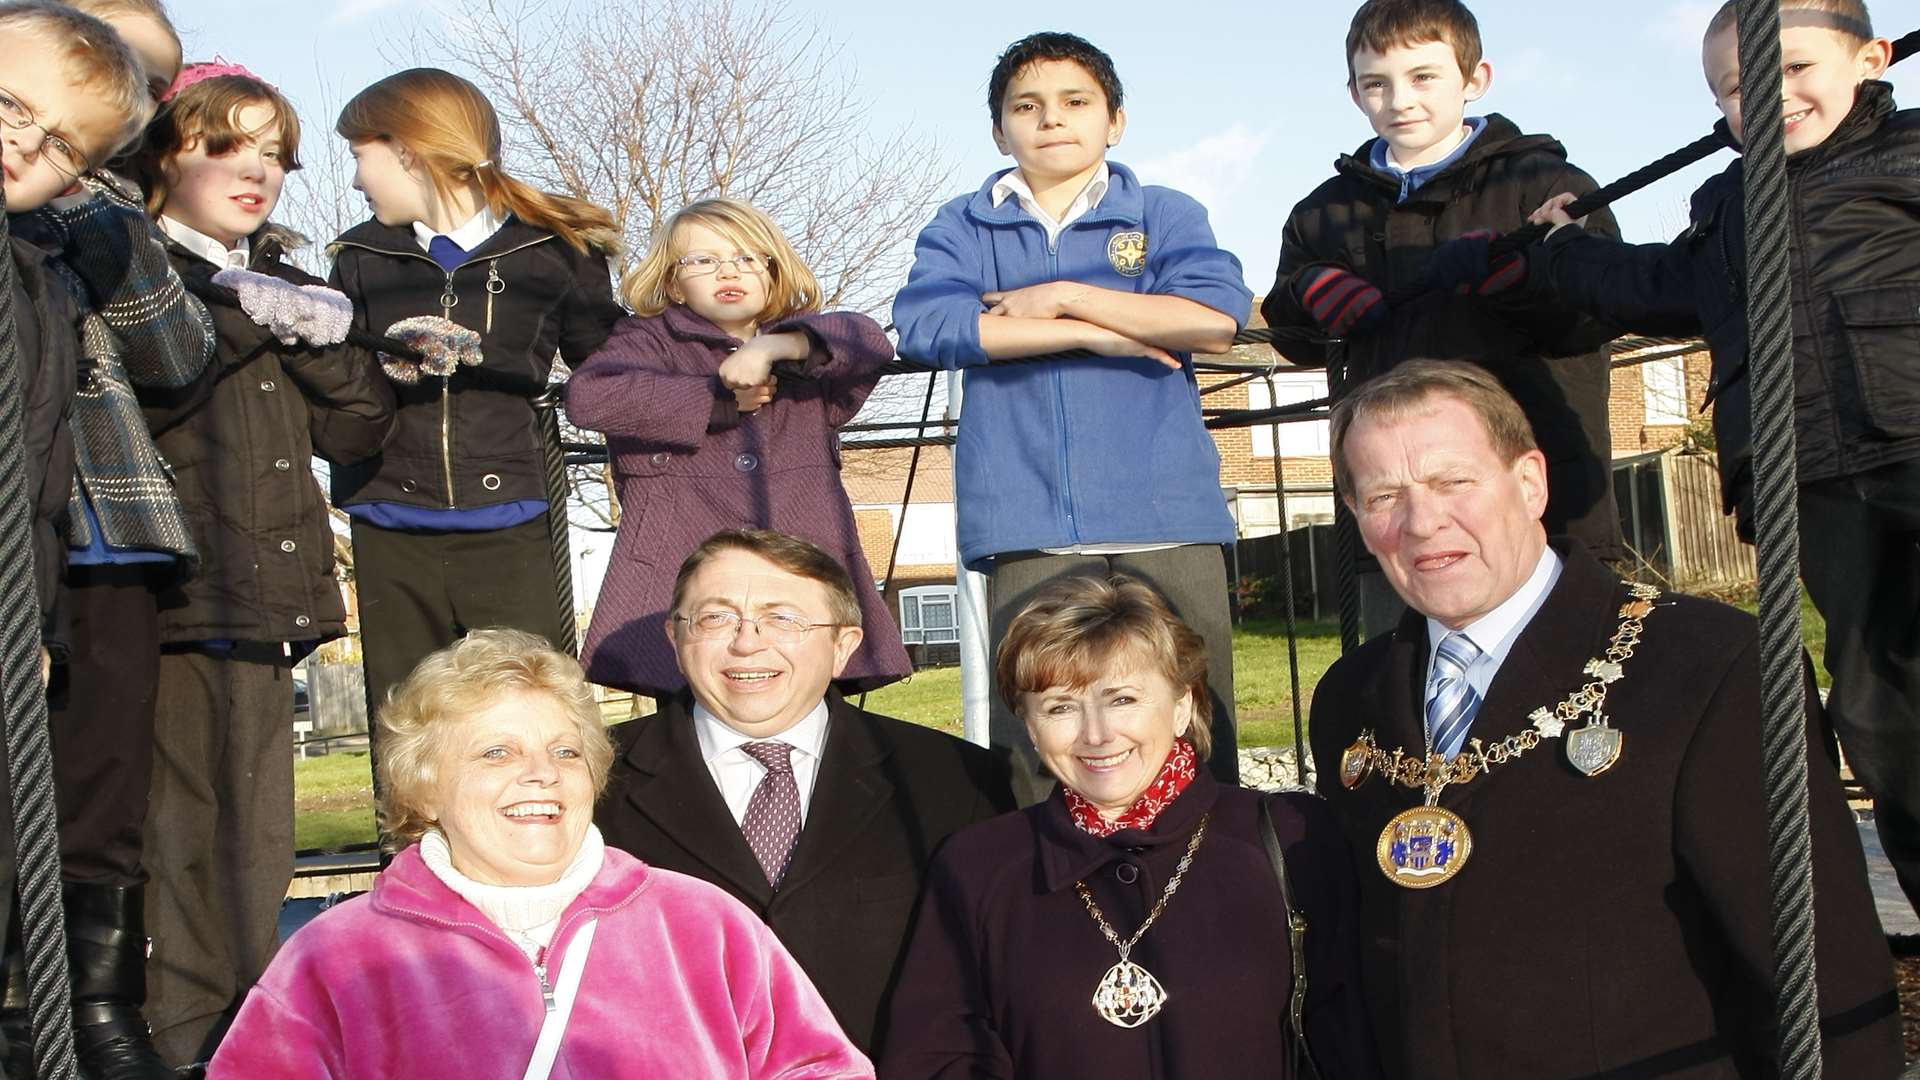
[108, 10]
[1407, 389]
[1848, 18]
[207, 114]
[1380, 25]
[451, 127]
[801, 558]
[98, 58]
[1078, 627]
[454, 683]
[791, 288]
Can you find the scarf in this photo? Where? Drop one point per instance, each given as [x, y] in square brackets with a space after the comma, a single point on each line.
[1174, 777]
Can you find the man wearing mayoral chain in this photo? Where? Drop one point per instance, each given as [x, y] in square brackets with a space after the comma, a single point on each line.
[1557, 778]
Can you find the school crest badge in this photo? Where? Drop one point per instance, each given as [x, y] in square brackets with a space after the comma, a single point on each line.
[1127, 251]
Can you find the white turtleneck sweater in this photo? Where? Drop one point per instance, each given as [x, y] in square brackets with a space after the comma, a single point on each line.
[529, 914]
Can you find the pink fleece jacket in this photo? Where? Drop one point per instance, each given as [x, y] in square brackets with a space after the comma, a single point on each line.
[412, 981]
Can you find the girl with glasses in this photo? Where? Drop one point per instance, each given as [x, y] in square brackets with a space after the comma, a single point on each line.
[703, 437]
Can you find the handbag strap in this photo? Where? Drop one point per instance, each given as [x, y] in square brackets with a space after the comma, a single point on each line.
[1296, 943]
[547, 1047]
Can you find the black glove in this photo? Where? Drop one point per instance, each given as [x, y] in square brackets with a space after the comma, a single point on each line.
[1342, 302]
[1466, 265]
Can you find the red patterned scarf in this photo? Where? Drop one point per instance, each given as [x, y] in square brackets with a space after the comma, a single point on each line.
[1174, 777]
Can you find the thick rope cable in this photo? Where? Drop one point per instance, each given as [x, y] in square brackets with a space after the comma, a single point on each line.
[23, 701]
[546, 415]
[1776, 517]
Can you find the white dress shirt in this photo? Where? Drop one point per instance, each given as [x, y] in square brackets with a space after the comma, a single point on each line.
[205, 246]
[1495, 632]
[1014, 186]
[468, 236]
[736, 773]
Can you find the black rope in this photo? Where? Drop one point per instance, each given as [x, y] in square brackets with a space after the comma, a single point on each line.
[1346, 532]
[546, 415]
[1776, 518]
[23, 701]
[1286, 597]
[906, 496]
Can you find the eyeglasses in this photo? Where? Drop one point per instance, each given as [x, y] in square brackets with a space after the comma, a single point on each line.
[60, 153]
[781, 626]
[702, 265]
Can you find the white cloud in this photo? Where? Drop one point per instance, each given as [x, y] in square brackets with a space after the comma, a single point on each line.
[1210, 169]
[352, 10]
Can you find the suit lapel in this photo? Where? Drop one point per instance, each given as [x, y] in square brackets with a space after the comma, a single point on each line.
[672, 788]
[850, 788]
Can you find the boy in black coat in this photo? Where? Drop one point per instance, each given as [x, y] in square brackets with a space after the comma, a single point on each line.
[1853, 170]
[1435, 174]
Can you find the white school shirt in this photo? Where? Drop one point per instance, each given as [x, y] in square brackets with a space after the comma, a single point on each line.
[206, 246]
[1495, 632]
[736, 773]
[468, 236]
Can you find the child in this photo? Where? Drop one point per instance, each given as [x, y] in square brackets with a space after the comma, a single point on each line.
[1095, 464]
[1853, 170]
[219, 828]
[702, 439]
[1434, 174]
[449, 529]
[75, 94]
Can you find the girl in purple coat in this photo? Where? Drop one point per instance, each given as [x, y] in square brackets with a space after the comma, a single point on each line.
[703, 438]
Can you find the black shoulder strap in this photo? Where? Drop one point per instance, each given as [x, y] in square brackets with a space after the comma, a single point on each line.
[1304, 1066]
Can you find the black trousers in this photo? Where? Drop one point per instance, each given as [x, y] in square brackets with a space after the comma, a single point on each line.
[1860, 559]
[421, 591]
[1193, 580]
[101, 715]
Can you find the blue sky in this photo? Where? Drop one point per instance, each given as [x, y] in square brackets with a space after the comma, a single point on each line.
[1243, 105]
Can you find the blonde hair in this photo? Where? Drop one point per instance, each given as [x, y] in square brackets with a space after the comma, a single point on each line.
[1409, 388]
[791, 287]
[206, 114]
[107, 10]
[1078, 628]
[454, 683]
[101, 60]
[448, 124]
[1848, 18]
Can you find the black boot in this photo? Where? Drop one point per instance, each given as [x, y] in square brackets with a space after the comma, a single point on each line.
[107, 954]
[16, 1016]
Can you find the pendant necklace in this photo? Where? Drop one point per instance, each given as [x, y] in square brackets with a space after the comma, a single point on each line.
[1128, 994]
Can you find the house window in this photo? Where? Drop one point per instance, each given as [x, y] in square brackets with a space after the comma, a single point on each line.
[927, 615]
[1664, 384]
[1298, 438]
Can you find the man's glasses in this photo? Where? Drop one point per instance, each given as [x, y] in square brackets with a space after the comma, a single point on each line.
[781, 626]
[702, 265]
[60, 153]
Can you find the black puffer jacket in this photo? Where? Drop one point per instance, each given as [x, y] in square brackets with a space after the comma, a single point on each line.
[47, 328]
[241, 440]
[1854, 256]
[1353, 222]
[470, 440]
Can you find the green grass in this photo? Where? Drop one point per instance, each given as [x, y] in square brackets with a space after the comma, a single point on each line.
[332, 801]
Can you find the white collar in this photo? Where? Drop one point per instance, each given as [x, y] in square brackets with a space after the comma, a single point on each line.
[469, 236]
[1013, 184]
[206, 246]
[518, 909]
[809, 736]
[1490, 633]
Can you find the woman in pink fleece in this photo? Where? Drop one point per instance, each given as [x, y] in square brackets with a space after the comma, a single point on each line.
[510, 924]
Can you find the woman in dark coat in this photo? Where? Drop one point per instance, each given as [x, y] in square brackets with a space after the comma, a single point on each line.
[1131, 925]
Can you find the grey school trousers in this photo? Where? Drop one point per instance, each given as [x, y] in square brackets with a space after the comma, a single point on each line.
[1192, 578]
[219, 838]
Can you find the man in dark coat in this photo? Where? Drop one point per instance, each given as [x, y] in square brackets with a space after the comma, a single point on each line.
[1583, 889]
[819, 816]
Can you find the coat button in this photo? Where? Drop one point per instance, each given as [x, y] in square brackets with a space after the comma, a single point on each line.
[267, 385]
[302, 621]
[491, 481]
[746, 462]
[1127, 873]
[409, 486]
[660, 458]
[282, 464]
[288, 545]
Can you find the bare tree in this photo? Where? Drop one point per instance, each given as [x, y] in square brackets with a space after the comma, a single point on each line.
[643, 106]
[319, 201]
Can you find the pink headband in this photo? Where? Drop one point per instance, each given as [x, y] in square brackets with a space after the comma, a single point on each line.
[213, 69]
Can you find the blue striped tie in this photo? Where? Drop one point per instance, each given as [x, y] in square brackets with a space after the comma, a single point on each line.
[1451, 701]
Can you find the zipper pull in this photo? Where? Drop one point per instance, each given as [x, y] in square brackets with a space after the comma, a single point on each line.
[448, 301]
[495, 286]
[540, 970]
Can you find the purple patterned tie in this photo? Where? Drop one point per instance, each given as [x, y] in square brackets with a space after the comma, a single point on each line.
[772, 823]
